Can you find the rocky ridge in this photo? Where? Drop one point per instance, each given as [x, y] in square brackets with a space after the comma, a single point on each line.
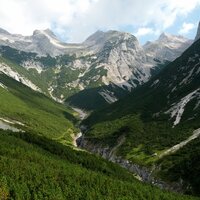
[112, 59]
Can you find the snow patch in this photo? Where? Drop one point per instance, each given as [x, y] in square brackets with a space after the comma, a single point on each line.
[108, 96]
[198, 100]
[6, 124]
[189, 76]
[173, 89]
[178, 109]
[155, 82]
[12, 121]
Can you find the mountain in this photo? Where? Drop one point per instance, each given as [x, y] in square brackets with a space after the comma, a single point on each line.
[157, 125]
[198, 33]
[42, 42]
[36, 137]
[107, 65]
[167, 47]
[127, 63]
[153, 132]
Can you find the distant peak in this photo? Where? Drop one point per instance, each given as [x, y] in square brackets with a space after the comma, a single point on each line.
[163, 36]
[49, 31]
[170, 37]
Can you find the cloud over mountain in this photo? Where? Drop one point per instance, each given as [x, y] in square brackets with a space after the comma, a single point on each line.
[74, 20]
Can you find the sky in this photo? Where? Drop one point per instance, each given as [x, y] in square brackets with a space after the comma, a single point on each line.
[75, 20]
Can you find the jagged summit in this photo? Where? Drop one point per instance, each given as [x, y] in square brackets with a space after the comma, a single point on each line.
[112, 59]
[44, 32]
[170, 37]
[167, 47]
[163, 36]
[101, 36]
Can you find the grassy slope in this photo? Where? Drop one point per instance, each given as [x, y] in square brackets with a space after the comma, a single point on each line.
[146, 133]
[33, 166]
[135, 113]
[40, 114]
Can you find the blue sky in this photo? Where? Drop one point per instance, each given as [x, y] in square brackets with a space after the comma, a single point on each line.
[75, 20]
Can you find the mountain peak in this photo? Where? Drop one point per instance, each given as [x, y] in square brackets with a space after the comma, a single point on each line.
[166, 37]
[198, 33]
[163, 36]
[44, 32]
[120, 34]
[100, 36]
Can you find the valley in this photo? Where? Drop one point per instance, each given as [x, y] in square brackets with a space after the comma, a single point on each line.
[107, 118]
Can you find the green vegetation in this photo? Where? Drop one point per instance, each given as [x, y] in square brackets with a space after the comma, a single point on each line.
[33, 167]
[88, 99]
[40, 163]
[148, 130]
[142, 139]
[37, 164]
[183, 165]
[40, 114]
[59, 77]
[15, 58]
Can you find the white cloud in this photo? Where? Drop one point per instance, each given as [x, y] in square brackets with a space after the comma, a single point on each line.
[76, 19]
[144, 31]
[186, 28]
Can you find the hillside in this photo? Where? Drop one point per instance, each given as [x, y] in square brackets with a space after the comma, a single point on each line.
[53, 171]
[155, 117]
[32, 111]
[37, 160]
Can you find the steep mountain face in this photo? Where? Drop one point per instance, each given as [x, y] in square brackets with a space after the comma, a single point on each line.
[198, 33]
[158, 122]
[108, 65]
[175, 82]
[123, 58]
